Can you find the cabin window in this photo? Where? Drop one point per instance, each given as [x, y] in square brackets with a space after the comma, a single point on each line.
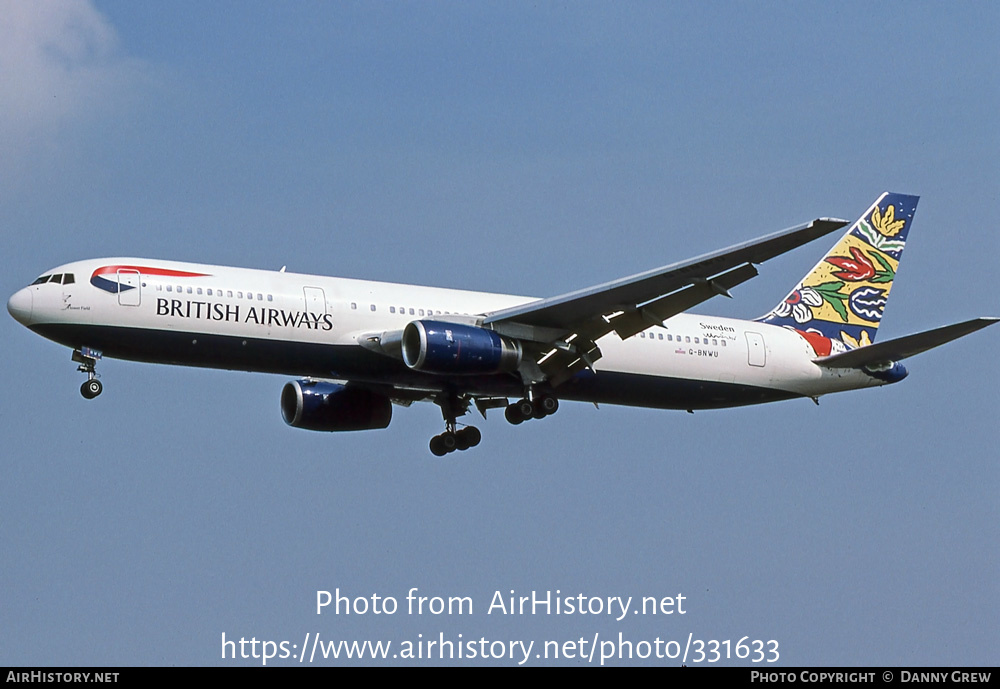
[270, 297]
[411, 312]
[354, 305]
[373, 307]
[392, 309]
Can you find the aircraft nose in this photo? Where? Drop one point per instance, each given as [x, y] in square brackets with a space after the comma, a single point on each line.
[19, 306]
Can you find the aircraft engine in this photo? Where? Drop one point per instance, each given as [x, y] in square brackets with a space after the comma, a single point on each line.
[453, 348]
[321, 406]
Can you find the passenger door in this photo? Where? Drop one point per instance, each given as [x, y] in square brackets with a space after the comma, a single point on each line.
[129, 287]
[756, 351]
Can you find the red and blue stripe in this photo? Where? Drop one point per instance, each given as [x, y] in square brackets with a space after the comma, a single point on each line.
[112, 285]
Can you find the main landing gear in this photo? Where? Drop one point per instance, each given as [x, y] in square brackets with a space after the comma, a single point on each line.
[533, 406]
[527, 408]
[87, 358]
[453, 438]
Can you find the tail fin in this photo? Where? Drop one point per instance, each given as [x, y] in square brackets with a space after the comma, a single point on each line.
[838, 305]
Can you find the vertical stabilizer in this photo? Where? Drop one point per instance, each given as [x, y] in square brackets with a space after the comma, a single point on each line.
[838, 306]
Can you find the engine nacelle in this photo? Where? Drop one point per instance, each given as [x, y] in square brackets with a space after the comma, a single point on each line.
[453, 348]
[319, 406]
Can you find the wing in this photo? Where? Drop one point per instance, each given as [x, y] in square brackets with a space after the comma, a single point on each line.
[564, 329]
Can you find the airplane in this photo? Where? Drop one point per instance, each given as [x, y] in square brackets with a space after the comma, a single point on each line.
[357, 347]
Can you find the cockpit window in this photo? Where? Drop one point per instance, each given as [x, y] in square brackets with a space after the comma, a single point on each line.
[65, 279]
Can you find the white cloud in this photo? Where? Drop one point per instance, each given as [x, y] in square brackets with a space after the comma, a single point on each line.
[60, 63]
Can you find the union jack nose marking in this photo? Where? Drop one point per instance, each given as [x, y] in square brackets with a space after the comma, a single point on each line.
[111, 284]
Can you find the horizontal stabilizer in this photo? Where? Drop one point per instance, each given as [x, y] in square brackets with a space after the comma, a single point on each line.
[903, 347]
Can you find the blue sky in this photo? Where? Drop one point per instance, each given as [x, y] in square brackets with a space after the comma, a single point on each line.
[522, 148]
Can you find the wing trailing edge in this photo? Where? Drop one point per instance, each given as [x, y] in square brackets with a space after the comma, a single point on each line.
[569, 311]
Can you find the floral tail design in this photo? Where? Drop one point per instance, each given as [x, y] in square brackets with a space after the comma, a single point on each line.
[838, 306]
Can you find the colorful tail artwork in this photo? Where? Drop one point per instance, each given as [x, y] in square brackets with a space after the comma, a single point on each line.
[839, 304]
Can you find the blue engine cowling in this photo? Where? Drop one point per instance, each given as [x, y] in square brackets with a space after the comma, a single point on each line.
[453, 348]
[319, 406]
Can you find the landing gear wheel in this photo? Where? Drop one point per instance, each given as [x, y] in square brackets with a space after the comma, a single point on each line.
[91, 388]
[525, 408]
[549, 405]
[448, 441]
[454, 438]
[512, 414]
[437, 447]
[468, 437]
[88, 358]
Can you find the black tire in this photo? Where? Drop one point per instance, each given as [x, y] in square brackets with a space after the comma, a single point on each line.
[91, 388]
[525, 408]
[512, 414]
[448, 441]
[550, 405]
[471, 435]
[437, 447]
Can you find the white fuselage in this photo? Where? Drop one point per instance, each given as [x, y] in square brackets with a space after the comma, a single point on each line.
[308, 325]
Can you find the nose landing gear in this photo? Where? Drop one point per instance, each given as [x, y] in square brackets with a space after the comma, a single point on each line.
[91, 388]
[88, 358]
